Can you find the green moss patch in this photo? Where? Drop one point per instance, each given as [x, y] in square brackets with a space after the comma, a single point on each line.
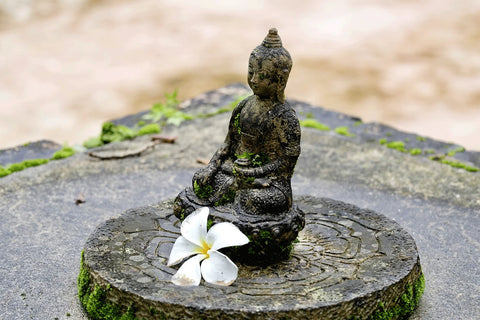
[202, 192]
[65, 152]
[95, 302]
[344, 131]
[405, 305]
[257, 160]
[228, 197]
[397, 145]
[453, 152]
[4, 172]
[159, 115]
[312, 123]
[151, 128]
[415, 151]
[458, 164]
[116, 132]
[168, 112]
[25, 164]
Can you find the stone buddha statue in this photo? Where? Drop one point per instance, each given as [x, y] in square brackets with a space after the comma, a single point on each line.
[247, 181]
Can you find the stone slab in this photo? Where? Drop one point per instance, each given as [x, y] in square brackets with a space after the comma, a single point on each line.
[43, 229]
[346, 262]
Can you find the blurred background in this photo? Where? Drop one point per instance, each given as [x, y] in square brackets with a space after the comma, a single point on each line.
[66, 66]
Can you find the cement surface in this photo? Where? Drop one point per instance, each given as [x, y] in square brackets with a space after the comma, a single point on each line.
[43, 230]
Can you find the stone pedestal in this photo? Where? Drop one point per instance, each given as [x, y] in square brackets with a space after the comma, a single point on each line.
[348, 263]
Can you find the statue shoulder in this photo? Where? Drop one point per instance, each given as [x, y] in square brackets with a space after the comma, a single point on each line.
[285, 111]
[241, 104]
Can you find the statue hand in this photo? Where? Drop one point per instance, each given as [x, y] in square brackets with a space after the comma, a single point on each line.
[204, 176]
[243, 172]
[262, 183]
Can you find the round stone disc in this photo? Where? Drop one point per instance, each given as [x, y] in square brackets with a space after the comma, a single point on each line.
[348, 262]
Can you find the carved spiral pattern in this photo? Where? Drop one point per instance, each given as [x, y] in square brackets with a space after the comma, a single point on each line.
[346, 260]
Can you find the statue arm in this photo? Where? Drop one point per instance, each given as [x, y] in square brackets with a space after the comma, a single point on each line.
[204, 176]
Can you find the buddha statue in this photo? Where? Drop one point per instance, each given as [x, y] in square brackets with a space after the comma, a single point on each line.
[247, 181]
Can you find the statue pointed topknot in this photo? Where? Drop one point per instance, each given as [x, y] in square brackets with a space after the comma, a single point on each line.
[272, 40]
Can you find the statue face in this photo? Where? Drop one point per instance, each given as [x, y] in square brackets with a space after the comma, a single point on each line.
[261, 77]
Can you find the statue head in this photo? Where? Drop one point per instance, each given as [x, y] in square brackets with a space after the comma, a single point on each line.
[269, 67]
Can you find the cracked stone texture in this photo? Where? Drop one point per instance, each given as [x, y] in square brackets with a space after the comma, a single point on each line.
[43, 231]
[347, 261]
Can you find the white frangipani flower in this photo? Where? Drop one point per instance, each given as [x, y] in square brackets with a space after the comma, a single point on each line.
[214, 266]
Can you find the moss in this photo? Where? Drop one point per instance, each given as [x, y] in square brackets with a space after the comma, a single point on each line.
[357, 123]
[15, 167]
[93, 143]
[405, 305]
[383, 141]
[257, 160]
[65, 152]
[115, 132]
[344, 131]
[202, 192]
[421, 139]
[312, 123]
[397, 145]
[453, 152]
[210, 223]
[415, 151]
[458, 164]
[149, 129]
[236, 123]
[429, 151]
[227, 197]
[159, 314]
[168, 112]
[95, 303]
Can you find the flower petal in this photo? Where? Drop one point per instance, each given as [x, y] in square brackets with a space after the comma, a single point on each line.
[219, 269]
[194, 227]
[225, 234]
[189, 273]
[181, 249]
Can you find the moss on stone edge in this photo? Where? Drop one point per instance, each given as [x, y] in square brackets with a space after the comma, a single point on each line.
[150, 128]
[405, 305]
[344, 131]
[458, 164]
[312, 123]
[94, 301]
[165, 113]
[65, 152]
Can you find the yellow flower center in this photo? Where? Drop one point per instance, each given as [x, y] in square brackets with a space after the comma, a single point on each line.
[205, 248]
